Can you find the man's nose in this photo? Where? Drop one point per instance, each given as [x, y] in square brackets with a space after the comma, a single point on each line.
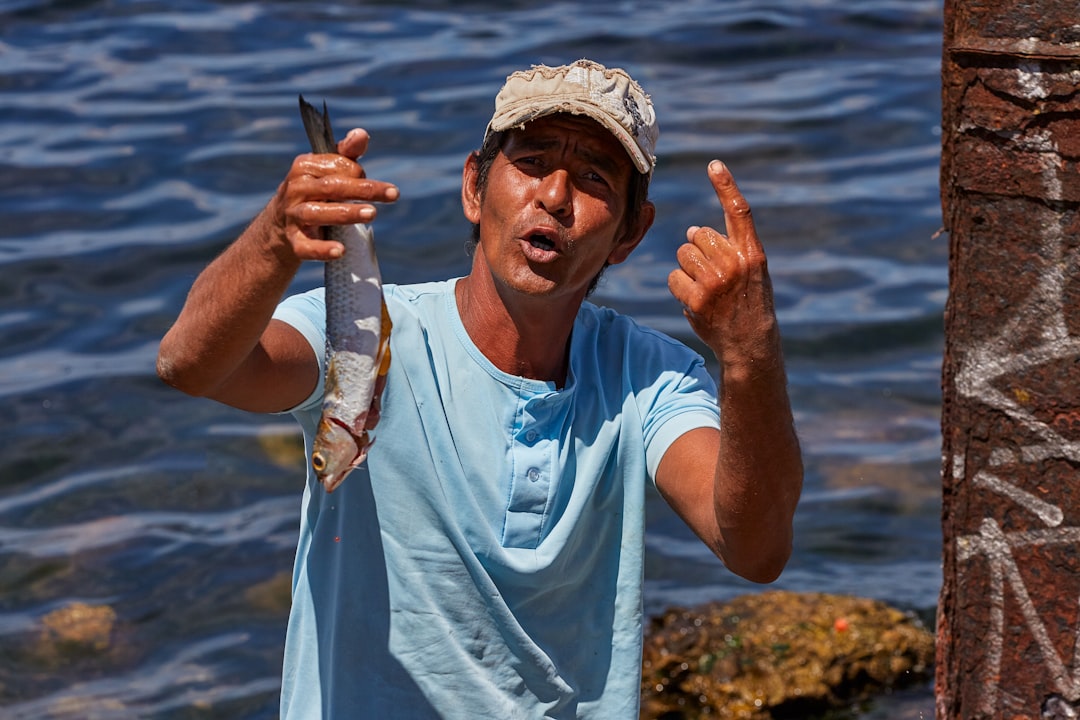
[555, 193]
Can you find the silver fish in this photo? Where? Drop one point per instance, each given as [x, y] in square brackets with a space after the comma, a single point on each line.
[357, 334]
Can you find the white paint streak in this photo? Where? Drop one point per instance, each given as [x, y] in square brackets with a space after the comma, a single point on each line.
[983, 374]
[996, 548]
[1049, 514]
[1076, 661]
[1030, 77]
[1063, 449]
[1061, 677]
[971, 546]
[1002, 456]
[995, 639]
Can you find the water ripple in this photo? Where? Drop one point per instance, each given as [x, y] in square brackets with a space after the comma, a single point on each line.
[166, 532]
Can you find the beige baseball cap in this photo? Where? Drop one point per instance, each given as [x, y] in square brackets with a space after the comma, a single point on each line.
[607, 95]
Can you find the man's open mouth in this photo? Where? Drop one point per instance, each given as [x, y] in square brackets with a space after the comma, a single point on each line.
[539, 241]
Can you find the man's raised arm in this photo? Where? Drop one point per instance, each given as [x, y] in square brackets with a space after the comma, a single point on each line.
[224, 344]
[736, 488]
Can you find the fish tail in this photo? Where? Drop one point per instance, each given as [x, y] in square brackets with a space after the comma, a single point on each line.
[317, 127]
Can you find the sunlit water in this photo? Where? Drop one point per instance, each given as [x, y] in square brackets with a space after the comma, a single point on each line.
[137, 139]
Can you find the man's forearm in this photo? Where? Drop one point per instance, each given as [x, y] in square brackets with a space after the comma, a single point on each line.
[227, 309]
[759, 468]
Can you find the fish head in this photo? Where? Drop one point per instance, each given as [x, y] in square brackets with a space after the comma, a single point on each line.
[335, 452]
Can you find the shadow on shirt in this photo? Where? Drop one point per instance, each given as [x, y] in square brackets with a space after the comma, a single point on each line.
[359, 675]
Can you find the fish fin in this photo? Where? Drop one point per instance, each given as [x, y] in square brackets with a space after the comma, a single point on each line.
[317, 127]
[383, 354]
[365, 445]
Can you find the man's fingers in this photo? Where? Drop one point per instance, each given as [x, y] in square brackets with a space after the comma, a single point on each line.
[307, 219]
[683, 289]
[712, 245]
[738, 222]
[711, 258]
[693, 260]
[338, 188]
[328, 189]
[699, 276]
[308, 247]
[354, 144]
[317, 214]
[318, 165]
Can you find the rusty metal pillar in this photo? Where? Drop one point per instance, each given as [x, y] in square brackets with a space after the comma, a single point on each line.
[1009, 615]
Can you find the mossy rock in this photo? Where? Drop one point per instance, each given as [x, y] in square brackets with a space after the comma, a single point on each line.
[779, 655]
[76, 630]
[284, 448]
[272, 596]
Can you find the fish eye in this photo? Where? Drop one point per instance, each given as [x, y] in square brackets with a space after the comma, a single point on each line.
[318, 462]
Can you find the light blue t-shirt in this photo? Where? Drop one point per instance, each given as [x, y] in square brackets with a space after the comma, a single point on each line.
[486, 561]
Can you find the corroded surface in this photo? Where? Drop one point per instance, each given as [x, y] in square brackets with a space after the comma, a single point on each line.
[778, 655]
[1008, 616]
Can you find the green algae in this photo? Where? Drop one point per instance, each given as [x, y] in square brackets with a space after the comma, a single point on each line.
[779, 655]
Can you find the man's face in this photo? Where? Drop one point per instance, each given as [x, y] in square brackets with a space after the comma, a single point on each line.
[553, 210]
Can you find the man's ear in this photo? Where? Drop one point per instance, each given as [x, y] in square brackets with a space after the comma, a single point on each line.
[634, 234]
[470, 196]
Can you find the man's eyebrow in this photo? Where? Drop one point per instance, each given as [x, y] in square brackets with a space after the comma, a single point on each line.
[602, 161]
[532, 142]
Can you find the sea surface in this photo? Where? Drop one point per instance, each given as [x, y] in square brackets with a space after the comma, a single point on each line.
[137, 139]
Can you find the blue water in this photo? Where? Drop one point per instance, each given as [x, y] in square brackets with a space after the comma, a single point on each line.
[137, 138]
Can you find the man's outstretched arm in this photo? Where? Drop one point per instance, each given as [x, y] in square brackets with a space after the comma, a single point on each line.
[224, 344]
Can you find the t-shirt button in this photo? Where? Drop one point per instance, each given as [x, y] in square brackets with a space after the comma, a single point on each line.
[530, 436]
[533, 474]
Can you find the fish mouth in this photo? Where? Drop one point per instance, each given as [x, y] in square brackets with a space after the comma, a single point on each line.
[335, 444]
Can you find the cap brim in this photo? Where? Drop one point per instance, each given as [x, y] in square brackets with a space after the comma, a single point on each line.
[534, 109]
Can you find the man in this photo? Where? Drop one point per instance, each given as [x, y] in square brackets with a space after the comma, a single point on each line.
[489, 562]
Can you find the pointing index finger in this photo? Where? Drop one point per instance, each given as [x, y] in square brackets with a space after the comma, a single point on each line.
[738, 222]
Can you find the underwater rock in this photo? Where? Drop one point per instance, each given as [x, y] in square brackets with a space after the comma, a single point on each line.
[283, 446]
[272, 596]
[778, 655]
[78, 628]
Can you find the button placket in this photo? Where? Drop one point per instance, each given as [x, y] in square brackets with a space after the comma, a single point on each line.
[531, 481]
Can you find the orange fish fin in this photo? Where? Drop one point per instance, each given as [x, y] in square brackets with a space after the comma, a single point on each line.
[384, 341]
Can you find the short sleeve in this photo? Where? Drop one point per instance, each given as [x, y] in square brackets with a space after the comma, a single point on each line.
[682, 400]
[306, 313]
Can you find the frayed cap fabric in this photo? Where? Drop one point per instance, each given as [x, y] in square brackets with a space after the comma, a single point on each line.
[607, 95]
